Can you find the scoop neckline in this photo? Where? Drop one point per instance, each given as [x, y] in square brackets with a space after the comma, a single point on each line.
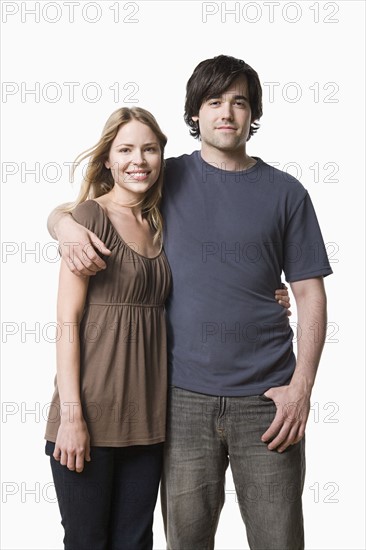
[121, 238]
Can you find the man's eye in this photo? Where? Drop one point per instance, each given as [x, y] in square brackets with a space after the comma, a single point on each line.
[150, 149]
[214, 102]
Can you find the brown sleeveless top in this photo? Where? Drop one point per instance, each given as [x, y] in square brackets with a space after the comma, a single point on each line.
[123, 355]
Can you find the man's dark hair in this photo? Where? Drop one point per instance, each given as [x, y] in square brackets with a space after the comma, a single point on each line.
[211, 78]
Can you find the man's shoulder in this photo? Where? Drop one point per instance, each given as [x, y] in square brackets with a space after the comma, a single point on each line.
[177, 169]
[282, 180]
[186, 158]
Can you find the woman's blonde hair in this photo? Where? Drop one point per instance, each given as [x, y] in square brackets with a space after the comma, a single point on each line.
[98, 179]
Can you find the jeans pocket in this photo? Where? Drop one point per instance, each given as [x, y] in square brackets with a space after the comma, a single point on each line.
[263, 397]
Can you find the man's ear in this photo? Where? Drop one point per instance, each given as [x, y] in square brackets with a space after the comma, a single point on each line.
[195, 118]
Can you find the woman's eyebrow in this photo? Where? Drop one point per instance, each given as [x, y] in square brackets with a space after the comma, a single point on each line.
[133, 145]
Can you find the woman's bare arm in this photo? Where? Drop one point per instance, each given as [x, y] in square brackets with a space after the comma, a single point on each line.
[72, 443]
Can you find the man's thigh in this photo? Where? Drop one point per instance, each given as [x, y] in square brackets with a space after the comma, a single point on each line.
[195, 460]
[268, 484]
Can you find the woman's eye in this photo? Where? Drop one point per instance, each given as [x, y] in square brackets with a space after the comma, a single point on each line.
[124, 150]
[150, 149]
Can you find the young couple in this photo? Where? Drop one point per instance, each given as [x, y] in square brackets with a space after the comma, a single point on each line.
[230, 225]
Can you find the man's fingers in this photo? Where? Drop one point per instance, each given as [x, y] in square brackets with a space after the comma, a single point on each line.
[281, 436]
[77, 266]
[300, 434]
[91, 253]
[99, 245]
[83, 257]
[295, 435]
[82, 267]
[274, 427]
[284, 428]
[290, 439]
[286, 436]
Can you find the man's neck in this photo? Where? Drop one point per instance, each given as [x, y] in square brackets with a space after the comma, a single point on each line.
[233, 161]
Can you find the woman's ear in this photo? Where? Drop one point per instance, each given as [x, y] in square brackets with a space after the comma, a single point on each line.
[107, 164]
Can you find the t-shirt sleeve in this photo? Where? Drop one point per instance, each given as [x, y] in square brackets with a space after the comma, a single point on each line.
[305, 255]
[90, 215]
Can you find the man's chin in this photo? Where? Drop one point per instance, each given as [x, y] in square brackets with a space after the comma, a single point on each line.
[229, 147]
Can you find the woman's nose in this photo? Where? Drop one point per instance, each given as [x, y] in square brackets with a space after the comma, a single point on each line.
[138, 158]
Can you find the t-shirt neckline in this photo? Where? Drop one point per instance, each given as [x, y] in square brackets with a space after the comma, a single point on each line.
[230, 172]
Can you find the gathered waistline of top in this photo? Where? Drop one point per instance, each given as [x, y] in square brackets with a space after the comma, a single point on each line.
[123, 304]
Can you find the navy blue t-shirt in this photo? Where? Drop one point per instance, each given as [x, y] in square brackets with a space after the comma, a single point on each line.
[228, 237]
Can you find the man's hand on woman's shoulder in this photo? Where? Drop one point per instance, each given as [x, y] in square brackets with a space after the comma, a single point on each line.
[78, 247]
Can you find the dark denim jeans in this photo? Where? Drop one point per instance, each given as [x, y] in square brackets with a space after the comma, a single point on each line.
[110, 504]
[205, 434]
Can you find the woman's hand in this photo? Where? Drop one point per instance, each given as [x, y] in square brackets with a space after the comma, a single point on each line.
[72, 444]
[282, 297]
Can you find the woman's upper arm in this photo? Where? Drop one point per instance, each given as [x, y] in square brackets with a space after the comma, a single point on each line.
[72, 292]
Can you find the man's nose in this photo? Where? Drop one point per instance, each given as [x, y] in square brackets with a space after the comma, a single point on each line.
[227, 111]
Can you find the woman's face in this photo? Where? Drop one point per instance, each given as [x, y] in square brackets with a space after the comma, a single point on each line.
[134, 158]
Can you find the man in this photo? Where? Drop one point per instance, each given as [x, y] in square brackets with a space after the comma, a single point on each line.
[238, 395]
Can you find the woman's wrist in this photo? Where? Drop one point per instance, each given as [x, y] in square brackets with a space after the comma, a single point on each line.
[71, 411]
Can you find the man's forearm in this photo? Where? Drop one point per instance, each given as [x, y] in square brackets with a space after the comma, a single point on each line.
[56, 215]
[312, 326]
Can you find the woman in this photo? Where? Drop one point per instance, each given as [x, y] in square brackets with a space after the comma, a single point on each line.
[106, 425]
[111, 377]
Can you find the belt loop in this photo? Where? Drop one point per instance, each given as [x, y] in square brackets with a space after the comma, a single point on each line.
[222, 406]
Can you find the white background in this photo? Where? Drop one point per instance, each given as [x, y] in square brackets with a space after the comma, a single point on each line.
[319, 118]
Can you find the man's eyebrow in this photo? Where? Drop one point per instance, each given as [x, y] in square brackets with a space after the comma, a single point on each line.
[213, 96]
[217, 96]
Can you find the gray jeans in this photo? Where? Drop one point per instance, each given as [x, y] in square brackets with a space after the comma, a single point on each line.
[204, 434]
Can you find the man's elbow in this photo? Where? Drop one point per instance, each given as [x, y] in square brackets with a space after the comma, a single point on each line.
[310, 291]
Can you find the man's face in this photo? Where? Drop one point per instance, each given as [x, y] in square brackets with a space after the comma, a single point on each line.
[225, 120]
